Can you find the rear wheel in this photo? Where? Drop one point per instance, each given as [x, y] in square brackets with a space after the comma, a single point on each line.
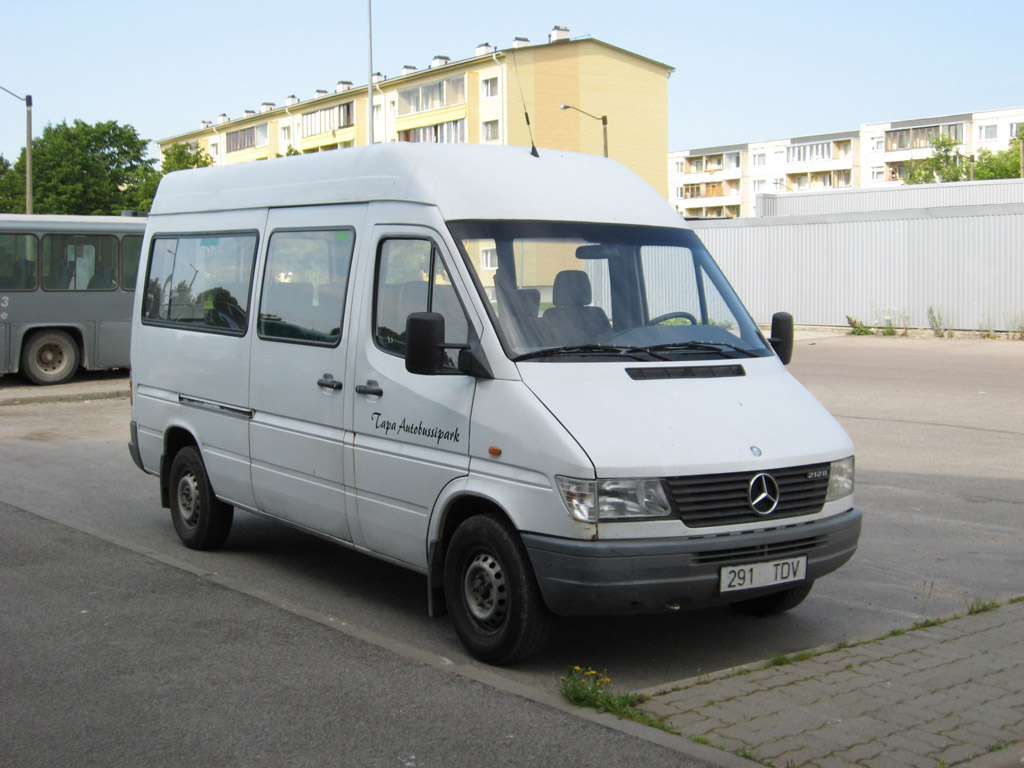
[201, 519]
[777, 602]
[50, 357]
[491, 593]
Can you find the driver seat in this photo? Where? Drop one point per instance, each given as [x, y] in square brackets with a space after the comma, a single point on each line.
[571, 321]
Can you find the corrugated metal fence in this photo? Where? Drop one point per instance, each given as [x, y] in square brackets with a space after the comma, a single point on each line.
[967, 263]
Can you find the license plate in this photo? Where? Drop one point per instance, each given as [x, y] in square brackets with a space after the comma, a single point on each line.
[733, 578]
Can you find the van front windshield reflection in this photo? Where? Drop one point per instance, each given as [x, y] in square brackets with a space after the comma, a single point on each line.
[585, 292]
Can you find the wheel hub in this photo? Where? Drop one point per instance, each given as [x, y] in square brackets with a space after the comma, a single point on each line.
[485, 592]
[188, 498]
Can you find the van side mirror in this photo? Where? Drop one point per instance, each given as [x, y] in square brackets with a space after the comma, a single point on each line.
[782, 336]
[424, 343]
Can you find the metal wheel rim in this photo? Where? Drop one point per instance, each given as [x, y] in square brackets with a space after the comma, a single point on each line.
[188, 499]
[485, 591]
[51, 358]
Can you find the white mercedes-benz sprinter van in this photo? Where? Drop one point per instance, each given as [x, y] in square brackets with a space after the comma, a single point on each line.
[521, 376]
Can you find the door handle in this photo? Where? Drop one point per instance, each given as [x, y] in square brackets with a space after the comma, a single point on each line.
[369, 388]
[329, 382]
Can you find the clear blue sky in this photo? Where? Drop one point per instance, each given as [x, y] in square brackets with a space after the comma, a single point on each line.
[745, 70]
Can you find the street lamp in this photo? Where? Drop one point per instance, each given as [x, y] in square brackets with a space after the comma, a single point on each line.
[28, 148]
[602, 118]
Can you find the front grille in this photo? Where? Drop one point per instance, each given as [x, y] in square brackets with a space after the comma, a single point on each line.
[707, 500]
[760, 553]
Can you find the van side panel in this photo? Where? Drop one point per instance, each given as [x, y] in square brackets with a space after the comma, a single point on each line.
[197, 380]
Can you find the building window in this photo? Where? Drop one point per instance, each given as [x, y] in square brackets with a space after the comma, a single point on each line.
[760, 158]
[491, 130]
[806, 153]
[680, 167]
[714, 163]
[325, 120]
[988, 132]
[843, 178]
[760, 186]
[697, 165]
[878, 174]
[489, 258]
[442, 93]
[247, 138]
[213, 149]
[453, 132]
[921, 137]
[1015, 129]
[489, 87]
[878, 144]
[286, 134]
[691, 191]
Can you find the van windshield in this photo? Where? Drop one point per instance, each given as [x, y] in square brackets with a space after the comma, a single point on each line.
[582, 291]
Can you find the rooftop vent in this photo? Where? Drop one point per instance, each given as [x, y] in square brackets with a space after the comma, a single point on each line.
[249, 113]
[484, 48]
[377, 77]
[222, 118]
[558, 34]
[206, 124]
[440, 61]
[268, 106]
[342, 86]
[520, 42]
[291, 101]
[320, 93]
[408, 69]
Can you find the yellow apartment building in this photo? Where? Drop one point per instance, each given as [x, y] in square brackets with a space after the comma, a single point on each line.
[483, 99]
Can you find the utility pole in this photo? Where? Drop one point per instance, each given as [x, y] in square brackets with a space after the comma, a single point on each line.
[369, 74]
[28, 147]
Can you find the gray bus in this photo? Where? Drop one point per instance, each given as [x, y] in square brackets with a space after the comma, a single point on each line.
[67, 284]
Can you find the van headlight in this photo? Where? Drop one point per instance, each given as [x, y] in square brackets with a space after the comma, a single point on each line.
[590, 501]
[840, 479]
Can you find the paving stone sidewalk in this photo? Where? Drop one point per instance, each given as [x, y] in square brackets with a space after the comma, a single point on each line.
[935, 696]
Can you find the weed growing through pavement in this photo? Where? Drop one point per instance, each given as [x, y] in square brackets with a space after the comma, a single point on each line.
[982, 606]
[857, 328]
[590, 688]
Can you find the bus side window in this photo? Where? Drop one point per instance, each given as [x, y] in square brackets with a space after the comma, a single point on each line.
[18, 260]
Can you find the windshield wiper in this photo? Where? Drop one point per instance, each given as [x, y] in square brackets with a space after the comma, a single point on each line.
[700, 346]
[637, 353]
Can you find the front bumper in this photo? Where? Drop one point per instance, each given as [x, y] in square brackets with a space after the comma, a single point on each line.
[599, 577]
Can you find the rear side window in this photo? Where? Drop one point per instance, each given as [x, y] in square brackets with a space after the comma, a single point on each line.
[79, 262]
[18, 262]
[201, 281]
[304, 286]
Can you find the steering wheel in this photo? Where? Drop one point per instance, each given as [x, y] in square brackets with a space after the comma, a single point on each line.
[671, 316]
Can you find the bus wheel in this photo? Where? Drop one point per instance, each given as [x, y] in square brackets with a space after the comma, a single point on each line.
[491, 593]
[201, 519]
[50, 357]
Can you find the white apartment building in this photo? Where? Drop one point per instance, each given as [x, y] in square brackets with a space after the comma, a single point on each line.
[724, 182]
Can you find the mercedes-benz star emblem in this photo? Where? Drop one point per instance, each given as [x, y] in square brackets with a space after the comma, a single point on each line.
[763, 494]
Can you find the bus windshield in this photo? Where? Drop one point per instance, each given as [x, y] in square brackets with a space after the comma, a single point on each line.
[583, 291]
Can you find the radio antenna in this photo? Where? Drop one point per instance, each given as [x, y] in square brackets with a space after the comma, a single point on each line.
[526, 114]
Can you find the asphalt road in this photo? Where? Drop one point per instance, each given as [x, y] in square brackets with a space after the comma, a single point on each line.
[939, 429]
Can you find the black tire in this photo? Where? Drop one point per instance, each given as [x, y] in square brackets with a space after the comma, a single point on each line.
[492, 595]
[50, 357]
[201, 519]
[776, 602]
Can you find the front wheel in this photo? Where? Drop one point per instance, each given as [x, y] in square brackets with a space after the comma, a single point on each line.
[50, 357]
[492, 595]
[776, 602]
[201, 519]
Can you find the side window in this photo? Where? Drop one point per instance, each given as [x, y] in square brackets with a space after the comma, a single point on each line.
[412, 277]
[200, 281]
[304, 286]
[79, 262]
[18, 262]
[131, 250]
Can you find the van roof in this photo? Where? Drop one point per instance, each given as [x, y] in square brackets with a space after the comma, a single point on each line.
[464, 181]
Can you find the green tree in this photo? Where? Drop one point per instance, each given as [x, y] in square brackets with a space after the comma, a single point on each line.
[82, 169]
[179, 157]
[945, 164]
[1000, 165]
